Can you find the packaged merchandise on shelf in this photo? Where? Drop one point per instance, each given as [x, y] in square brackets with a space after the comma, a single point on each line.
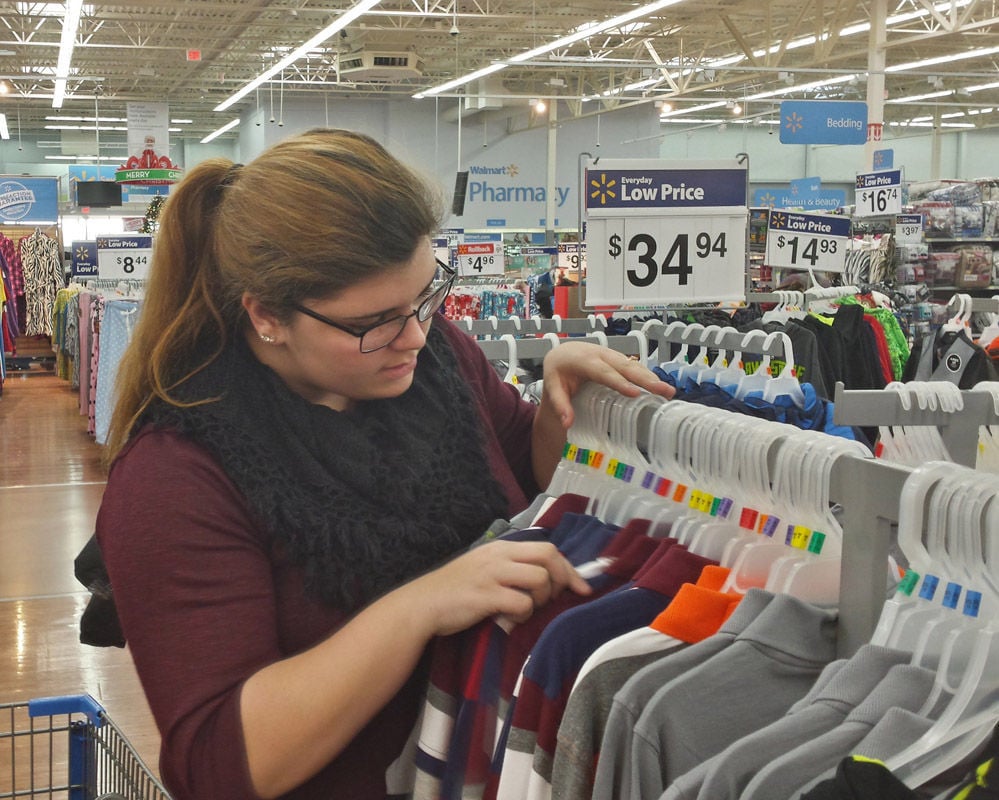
[974, 267]
[990, 218]
[942, 268]
[968, 221]
[938, 219]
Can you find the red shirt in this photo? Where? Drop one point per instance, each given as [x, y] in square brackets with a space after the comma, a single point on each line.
[204, 605]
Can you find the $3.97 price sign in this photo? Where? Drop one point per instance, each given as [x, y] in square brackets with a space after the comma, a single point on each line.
[125, 257]
[807, 241]
[680, 258]
[480, 258]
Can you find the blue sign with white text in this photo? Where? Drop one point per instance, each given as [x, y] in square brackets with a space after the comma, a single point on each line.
[884, 159]
[809, 223]
[823, 199]
[665, 188]
[823, 122]
[83, 261]
[29, 199]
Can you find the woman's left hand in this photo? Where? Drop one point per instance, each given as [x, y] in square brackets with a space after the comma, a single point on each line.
[571, 364]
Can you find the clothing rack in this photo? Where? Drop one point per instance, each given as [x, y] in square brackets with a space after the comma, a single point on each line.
[958, 428]
[869, 491]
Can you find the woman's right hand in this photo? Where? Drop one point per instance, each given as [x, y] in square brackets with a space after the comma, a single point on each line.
[509, 579]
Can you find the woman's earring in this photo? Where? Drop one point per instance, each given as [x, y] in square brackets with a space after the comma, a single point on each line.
[265, 338]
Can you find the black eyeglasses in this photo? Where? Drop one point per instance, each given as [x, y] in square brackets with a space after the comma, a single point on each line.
[382, 334]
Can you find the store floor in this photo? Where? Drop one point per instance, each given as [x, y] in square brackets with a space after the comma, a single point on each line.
[51, 483]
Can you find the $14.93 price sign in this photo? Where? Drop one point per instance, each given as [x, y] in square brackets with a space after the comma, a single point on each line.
[807, 241]
[125, 257]
[480, 258]
[680, 258]
[879, 193]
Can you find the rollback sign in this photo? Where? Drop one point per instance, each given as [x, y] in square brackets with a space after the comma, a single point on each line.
[665, 232]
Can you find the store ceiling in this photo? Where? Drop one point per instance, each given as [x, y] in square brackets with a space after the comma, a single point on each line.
[692, 53]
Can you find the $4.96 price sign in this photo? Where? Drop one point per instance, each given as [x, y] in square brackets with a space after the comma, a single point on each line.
[807, 241]
[124, 257]
[879, 193]
[480, 258]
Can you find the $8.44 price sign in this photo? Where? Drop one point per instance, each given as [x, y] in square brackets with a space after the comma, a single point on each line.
[807, 241]
[680, 258]
[480, 258]
[125, 257]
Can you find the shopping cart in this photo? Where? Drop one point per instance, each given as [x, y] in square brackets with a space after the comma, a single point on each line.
[67, 748]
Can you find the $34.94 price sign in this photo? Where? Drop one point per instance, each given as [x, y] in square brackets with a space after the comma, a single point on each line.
[480, 258]
[125, 257]
[807, 241]
[675, 259]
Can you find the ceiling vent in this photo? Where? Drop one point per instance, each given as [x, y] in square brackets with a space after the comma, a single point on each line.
[382, 66]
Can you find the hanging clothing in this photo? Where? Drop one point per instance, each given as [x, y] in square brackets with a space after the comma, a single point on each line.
[41, 260]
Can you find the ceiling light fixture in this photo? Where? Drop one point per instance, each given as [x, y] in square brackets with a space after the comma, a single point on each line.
[583, 32]
[539, 106]
[216, 133]
[4, 131]
[70, 23]
[334, 27]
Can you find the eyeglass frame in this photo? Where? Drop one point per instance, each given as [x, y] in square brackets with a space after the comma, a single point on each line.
[446, 287]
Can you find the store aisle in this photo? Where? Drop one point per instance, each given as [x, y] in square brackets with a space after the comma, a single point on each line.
[51, 483]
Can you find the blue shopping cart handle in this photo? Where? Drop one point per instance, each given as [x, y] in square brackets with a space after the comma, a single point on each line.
[68, 704]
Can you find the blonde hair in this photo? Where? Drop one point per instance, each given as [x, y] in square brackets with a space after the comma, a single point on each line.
[312, 215]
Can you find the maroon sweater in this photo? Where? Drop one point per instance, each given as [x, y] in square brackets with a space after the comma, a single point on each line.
[204, 605]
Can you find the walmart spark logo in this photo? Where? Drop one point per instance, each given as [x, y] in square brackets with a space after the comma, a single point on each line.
[513, 171]
[82, 253]
[779, 221]
[795, 122]
[768, 200]
[603, 188]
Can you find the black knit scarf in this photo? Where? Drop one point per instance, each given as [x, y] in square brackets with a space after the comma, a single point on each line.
[359, 500]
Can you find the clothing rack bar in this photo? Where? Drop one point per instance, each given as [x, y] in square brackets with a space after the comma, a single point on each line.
[958, 429]
[730, 339]
[870, 491]
[531, 325]
[536, 349]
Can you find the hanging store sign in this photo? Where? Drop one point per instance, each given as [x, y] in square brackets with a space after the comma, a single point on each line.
[125, 257]
[572, 255]
[823, 122]
[29, 200]
[660, 233]
[807, 241]
[480, 258]
[879, 193]
[148, 144]
[83, 260]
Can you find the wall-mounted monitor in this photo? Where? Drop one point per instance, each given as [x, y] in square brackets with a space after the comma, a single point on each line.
[98, 194]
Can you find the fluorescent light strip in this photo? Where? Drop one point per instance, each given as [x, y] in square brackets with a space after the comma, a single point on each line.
[334, 27]
[214, 134]
[70, 23]
[931, 62]
[444, 87]
[588, 31]
[4, 132]
[583, 33]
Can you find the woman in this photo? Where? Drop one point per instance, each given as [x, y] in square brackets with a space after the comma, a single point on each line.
[302, 453]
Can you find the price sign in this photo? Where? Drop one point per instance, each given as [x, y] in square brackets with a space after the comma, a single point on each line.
[807, 241]
[879, 193]
[441, 250]
[909, 228]
[124, 257]
[572, 255]
[480, 258]
[661, 233]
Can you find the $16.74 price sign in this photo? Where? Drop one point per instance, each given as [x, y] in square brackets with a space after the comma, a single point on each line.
[807, 241]
[480, 258]
[125, 257]
[879, 193]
